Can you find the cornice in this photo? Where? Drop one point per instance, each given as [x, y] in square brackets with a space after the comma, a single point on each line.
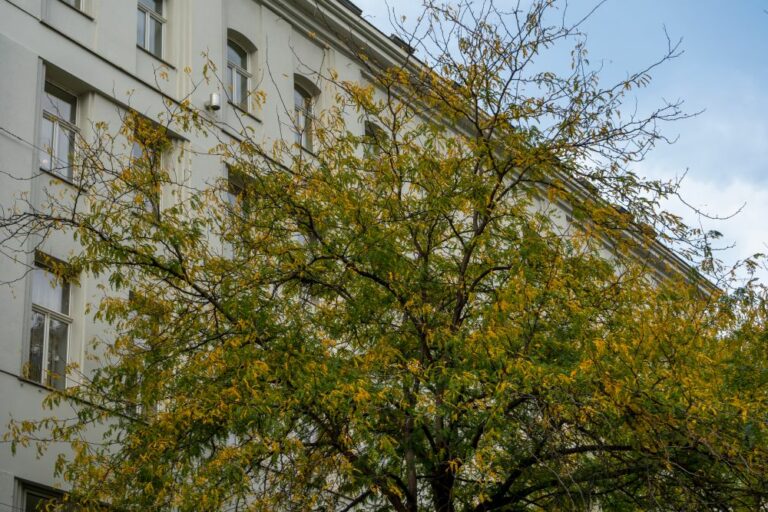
[338, 26]
[335, 25]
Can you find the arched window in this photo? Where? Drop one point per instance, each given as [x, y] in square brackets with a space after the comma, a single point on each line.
[238, 76]
[303, 101]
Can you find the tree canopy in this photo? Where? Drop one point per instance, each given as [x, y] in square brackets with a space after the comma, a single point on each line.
[470, 307]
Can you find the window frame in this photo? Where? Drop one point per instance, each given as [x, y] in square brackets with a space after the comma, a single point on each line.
[58, 124]
[375, 137]
[237, 70]
[152, 157]
[151, 154]
[38, 491]
[237, 195]
[75, 4]
[47, 379]
[134, 406]
[150, 15]
[235, 186]
[303, 116]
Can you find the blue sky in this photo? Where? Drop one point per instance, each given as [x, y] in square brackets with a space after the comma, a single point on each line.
[723, 71]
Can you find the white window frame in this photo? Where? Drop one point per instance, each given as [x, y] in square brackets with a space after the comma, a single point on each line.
[49, 314]
[150, 15]
[234, 86]
[303, 117]
[59, 124]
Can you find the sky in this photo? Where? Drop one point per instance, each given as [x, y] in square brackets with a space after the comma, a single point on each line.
[723, 72]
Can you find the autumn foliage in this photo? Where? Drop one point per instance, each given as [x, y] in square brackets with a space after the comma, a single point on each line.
[470, 308]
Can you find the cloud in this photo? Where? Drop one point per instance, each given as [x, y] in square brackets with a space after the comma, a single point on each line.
[725, 151]
[728, 140]
[743, 201]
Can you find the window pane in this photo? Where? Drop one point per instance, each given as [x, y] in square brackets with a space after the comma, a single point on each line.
[38, 501]
[46, 144]
[242, 91]
[152, 201]
[299, 126]
[298, 103]
[57, 353]
[144, 158]
[55, 298]
[230, 82]
[65, 148]
[64, 297]
[136, 152]
[34, 503]
[306, 139]
[59, 103]
[375, 138]
[298, 99]
[235, 186]
[237, 55]
[141, 29]
[153, 5]
[155, 37]
[36, 342]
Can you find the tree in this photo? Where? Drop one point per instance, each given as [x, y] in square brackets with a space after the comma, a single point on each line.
[413, 326]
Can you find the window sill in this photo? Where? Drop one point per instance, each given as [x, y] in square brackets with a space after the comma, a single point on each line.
[64, 179]
[241, 110]
[307, 151]
[159, 59]
[79, 11]
[39, 385]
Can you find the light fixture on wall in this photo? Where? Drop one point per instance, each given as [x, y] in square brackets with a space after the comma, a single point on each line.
[214, 102]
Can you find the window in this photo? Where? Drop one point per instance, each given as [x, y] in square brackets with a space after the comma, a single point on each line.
[58, 131]
[237, 74]
[147, 158]
[375, 138]
[148, 319]
[238, 188]
[149, 143]
[235, 186]
[77, 4]
[49, 329]
[37, 499]
[302, 101]
[149, 33]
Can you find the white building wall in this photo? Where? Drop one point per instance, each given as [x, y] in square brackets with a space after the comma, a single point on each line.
[94, 54]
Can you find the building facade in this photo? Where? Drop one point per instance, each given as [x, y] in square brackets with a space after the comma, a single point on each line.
[67, 64]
